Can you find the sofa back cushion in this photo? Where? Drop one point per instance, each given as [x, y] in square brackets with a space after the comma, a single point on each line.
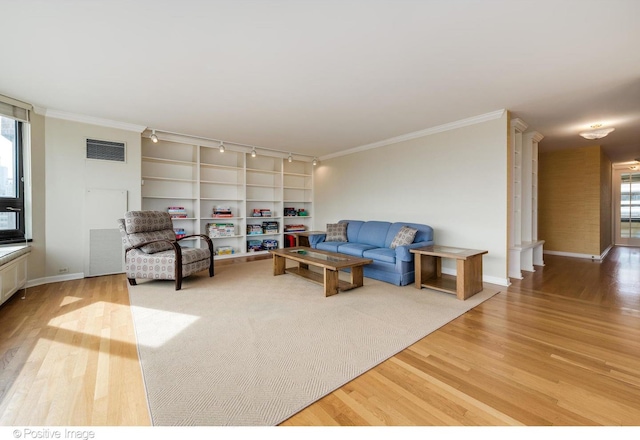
[353, 228]
[373, 233]
[425, 233]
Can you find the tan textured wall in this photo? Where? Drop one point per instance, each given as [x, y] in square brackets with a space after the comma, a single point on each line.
[570, 200]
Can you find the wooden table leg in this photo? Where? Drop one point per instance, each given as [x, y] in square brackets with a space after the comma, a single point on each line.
[357, 276]
[279, 264]
[427, 267]
[468, 277]
[330, 282]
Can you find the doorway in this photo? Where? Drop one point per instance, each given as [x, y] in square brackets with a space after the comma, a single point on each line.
[626, 188]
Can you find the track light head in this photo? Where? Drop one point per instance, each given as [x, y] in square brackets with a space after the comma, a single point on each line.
[221, 148]
[253, 153]
[154, 138]
[290, 159]
[315, 162]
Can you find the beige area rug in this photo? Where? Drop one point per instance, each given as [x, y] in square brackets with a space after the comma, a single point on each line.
[245, 348]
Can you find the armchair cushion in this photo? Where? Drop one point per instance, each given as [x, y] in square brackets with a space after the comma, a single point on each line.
[159, 246]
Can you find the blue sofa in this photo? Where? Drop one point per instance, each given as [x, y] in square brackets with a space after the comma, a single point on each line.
[371, 239]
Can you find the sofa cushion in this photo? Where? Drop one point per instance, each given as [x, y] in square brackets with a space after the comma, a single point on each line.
[381, 254]
[404, 237]
[355, 249]
[336, 232]
[331, 246]
[373, 233]
[353, 227]
[425, 232]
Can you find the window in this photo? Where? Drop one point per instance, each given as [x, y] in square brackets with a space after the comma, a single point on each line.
[12, 215]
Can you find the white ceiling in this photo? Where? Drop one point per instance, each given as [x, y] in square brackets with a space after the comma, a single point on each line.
[320, 77]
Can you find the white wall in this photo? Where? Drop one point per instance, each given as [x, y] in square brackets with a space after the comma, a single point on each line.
[454, 181]
[68, 177]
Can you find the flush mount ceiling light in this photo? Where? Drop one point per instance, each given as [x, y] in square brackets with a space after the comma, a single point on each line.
[597, 132]
[154, 138]
[221, 147]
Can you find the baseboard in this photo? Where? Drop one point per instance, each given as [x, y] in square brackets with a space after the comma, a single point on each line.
[585, 256]
[54, 279]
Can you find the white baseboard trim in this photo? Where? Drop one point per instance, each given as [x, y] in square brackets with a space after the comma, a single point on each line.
[54, 279]
[585, 256]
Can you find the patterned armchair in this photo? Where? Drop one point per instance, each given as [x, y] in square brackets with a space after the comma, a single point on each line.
[152, 251]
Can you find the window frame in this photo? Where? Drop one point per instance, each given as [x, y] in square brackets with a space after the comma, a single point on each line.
[16, 204]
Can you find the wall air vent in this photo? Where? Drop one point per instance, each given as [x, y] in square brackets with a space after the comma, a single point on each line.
[105, 150]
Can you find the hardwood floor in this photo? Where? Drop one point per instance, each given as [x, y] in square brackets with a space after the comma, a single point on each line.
[560, 347]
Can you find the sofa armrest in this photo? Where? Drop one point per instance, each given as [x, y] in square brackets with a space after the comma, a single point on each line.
[315, 239]
[403, 254]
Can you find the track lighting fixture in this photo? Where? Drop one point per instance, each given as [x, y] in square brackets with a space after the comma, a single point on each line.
[235, 147]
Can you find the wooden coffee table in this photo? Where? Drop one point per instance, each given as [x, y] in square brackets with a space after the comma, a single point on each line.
[330, 263]
[428, 269]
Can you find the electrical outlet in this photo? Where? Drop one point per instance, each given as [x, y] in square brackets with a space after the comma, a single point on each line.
[63, 270]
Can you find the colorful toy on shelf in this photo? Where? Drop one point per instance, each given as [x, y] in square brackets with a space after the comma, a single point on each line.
[222, 211]
[218, 230]
[254, 245]
[270, 227]
[269, 244]
[290, 212]
[254, 230]
[225, 250]
[303, 213]
[179, 233]
[177, 212]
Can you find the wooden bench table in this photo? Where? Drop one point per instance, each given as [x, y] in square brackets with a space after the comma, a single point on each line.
[428, 269]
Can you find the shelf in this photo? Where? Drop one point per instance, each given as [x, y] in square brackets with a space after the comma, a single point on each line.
[169, 198]
[214, 182]
[221, 218]
[254, 170]
[259, 185]
[169, 161]
[234, 179]
[168, 179]
[221, 167]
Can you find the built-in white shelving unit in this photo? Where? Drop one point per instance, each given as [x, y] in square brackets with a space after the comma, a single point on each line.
[525, 250]
[204, 181]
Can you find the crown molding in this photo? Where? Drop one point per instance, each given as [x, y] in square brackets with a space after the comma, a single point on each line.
[519, 124]
[535, 136]
[59, 114]
[418, 134]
